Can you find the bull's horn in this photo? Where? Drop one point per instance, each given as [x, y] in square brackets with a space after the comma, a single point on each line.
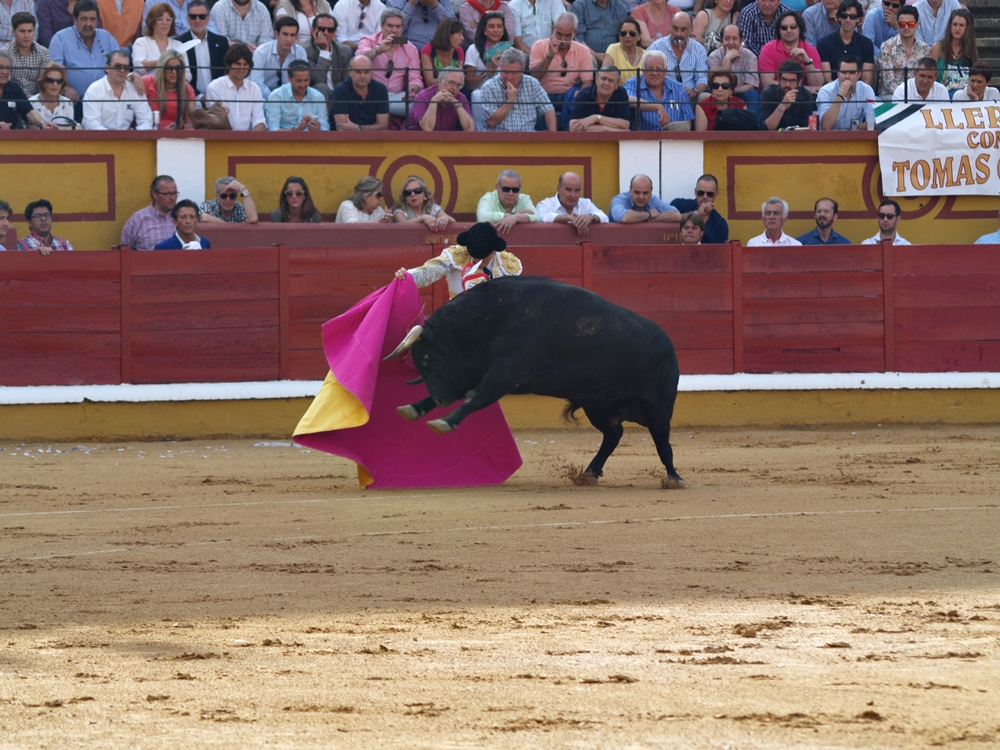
[415, 382]
[412, 336]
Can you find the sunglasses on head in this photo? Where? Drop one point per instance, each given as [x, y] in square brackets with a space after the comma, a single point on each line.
[294, 193]
[414, 191]
[886, 216]
[850, 16]
[907, 24]
[627, 33]
[507, 189]
[231, 196]
[197, 16]
[704, 193]
[724, 86]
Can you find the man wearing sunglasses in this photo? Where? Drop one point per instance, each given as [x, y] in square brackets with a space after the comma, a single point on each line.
[848, 41]
[507, 205]
[560, 62]
[328, 59]
[40, 239]
[207, 60]
[226, 209]
[880, 22]
[904, 50]
[889, 214]
[706, 193]
[114, 102]
[357, 18]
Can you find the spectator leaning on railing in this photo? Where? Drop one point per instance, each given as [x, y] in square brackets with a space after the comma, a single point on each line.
[507, 205]
[240, 96]
[365, 204]
[568, 206]
[27, 56]
[638, 205]
[416, 205]
[295, 105]
[602, 107]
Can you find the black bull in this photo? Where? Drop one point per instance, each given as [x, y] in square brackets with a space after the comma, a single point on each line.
[535, 335]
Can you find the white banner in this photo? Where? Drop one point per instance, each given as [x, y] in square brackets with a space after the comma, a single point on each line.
[937, 149]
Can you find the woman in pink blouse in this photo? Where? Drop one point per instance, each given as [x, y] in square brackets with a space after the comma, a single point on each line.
[790, 44]
[654, 20]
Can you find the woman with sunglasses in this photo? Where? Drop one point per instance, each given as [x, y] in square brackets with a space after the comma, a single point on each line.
[626, 54]
[654, 20]
[956, 52]
[157, 38]
[304, 11]
[365, 205]
[790, 44]
[168, 91]
[709, 23]
[49, 102]
[721, 84]
[483, 57]
[443, 51]
[296, 205]
[416, 204]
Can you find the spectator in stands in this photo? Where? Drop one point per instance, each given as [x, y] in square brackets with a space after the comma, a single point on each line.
[124, 20]
[638, 205]
[149, 226]
[825, 213]
[39, 217]
[243, 21]
[821, 20]
[881, 22]
[993, 238]
[27, 56]
[471, 11]
[271, 59]
[710, 23]
[934, 18]
[846, 104]
[226, 209]
[54, 108]
[169, 92]
[536, 19]
[561, 64]
[706, 191]
[443, 51]
[956, 52]
[789, 45]
[185, 218]
[722, 83]
[567, 206]
[8, 10]
[626, 54]
[157, 38]
[395, 65]
[847, 41]
[483, 57]
[53, 16]
[732, 55]
[787, 103]
[507, 205]
[295, 206]
[365, 204]
[774, 213]
[416, 205]
[117, 101]
[83, 49]
[902, 51]
[360, 103]
[442, 107]
[889, 214]
[923, 86]
[664, 104]
[654, 19]
[513, 102]
[5, 213]
[597, 23]
[421, 18]
[759, 23]
[295, 105]
[305, 12]
[685, 56]
[15, 111]
[328, 59]
[240, 96]
[602, 107]
[207, 61]
[978, 89]
[692, 228]
[357, 18]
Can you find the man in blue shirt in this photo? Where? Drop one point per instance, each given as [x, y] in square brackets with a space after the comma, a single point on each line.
[687, 61]
[638, 204]
[846, 103]
[993, 238]
[880, 23]
[825, 212]
[83, 49]
[271, 59]
[664, 104]
[821, 20]
[295, 105]
[706, 190]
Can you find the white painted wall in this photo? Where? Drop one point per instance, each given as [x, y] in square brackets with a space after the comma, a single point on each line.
[184, 160]
[681, 164]
[636, 157]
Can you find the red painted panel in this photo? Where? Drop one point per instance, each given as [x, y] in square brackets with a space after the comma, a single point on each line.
[932, 260]
[763, 312]
[947, 324]
[553, 261]
[53, 369]
[319, 309]
[948, 356]
[172, 263]
[307, 261]
[193, 315]
[654, 292]
[77, 265]
[61, 293]
[942, 290]
[17, 346]
[662, 258]
[810, 285]
[222, 342]
[812, 336]
[818, 258]
[359, 283]
[696, 330]
[842, 359]
[185, 288]
[307, 364]
[206, 368]
[78, 318]
[705, 361]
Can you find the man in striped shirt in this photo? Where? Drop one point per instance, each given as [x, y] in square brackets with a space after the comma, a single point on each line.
[757, 22]
[27, 56]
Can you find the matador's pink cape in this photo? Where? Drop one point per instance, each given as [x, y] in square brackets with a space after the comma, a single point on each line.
[354, 413]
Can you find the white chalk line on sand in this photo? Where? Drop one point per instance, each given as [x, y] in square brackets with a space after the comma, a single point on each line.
[500, 527]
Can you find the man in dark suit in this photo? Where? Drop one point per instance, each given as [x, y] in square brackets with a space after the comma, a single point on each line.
[328, 58]
[206, 60]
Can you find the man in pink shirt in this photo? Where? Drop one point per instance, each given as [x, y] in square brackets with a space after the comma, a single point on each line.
[559, 62]
[395, 64]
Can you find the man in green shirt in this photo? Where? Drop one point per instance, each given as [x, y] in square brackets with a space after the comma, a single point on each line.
[507, 205]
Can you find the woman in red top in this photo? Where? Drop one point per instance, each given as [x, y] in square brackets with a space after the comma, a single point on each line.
[169, 92]
[721, 84]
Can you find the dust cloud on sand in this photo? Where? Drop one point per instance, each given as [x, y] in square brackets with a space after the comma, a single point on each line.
[810, 588]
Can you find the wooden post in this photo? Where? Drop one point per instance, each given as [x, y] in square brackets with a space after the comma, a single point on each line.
[888, 307]
[125, 295]
[284, 332]
[587, 264]
[737, 248]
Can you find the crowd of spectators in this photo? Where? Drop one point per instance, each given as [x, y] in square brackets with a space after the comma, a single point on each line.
[443, 65]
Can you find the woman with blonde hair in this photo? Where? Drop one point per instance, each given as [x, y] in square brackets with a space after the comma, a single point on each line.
[295, 205]
[55, 109]
[365, 204]
[416, 205]
[157, 37]
[168, 91]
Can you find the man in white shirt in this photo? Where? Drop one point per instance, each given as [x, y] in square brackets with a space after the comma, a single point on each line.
[923, 86]
[978, 89]
[241, 97]
[536, 18]
[270, 60]
[774, 214]
[888, 219]
[567, 206]
[357, 18]
[113, 102]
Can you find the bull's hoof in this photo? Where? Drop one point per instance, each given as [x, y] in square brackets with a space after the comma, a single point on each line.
[440, 426]
[673, 483]
[580, 477]
[408, 412]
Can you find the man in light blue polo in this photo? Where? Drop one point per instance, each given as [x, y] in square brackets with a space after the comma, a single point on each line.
[638, 205]
[83, 49]
[848, 102]
[271, 59]
[687, 61]
[993, 238]
[296, 106]
[881, 23]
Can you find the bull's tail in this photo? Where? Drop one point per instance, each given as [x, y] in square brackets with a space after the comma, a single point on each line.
[569, 413]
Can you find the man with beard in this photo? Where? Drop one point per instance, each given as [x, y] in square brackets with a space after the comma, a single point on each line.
[825, 213]
[787, 103]
[246, 21]
[82, 49]
[687, 59]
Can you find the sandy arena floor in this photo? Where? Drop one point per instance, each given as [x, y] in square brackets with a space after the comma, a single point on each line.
[811, 588]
